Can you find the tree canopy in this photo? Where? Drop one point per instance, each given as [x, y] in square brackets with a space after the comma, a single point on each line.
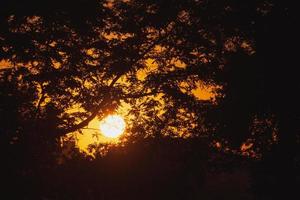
[68, 62]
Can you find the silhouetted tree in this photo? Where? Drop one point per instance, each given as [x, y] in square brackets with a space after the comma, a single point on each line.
[69, 62]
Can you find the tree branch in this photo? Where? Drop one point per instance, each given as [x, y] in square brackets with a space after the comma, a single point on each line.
[85, 122]
[139, 95]
[40, 102]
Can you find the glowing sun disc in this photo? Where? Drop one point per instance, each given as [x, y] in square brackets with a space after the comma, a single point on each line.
[112, 126]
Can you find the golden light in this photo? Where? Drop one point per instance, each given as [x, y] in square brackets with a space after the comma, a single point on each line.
[112, 126]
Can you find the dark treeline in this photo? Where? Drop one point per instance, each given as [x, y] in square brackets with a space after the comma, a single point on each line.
[59, 55]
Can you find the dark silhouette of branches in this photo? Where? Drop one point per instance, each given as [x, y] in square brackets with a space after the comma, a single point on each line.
[67, 62]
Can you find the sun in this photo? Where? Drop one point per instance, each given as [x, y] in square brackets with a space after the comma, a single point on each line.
[112, 126]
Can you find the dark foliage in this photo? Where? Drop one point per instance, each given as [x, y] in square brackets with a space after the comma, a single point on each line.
[62, 55]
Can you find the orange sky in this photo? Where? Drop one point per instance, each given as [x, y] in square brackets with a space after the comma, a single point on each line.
[92, 134]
